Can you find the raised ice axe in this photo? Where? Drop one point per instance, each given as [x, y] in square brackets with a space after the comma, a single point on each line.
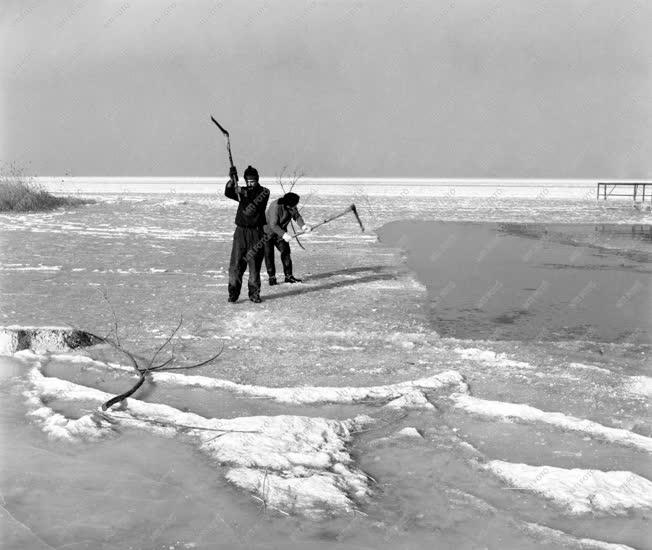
[351, 208]
[228, 147]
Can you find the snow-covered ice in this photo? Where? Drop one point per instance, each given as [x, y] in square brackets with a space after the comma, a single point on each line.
[410, 392]
[582, 366]
[526, 413]
[580, 491]
[340, 374]
[639, 385]
[409, 431]
[491, 358]
[303, 461]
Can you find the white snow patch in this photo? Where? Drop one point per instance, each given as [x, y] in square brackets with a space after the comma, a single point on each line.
[321, 394]
[491, 358]
[406, 340]
[19, 267]
[67, 357]
[579, 491]
[639, 385]
[300, 494]
[325, 394]
[8, 342]
[293, 463]
[588, 367]
[414, 399]
[568, 541]
[35, 327]
[173, 202]
[397, 284]
[526, 413]
[409, 431]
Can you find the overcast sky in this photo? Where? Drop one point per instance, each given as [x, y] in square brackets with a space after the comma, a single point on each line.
[505, 88]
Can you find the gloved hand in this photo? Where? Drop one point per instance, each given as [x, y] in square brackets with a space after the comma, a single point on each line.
[306, 228]
[233, 174]
[286, 237]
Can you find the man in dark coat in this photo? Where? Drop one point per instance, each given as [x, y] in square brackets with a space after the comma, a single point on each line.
[279, 214]
[248, 239]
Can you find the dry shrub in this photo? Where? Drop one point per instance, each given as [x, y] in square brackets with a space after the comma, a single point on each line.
[19, 193]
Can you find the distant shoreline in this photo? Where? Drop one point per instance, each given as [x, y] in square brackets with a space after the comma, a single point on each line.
[355, 188]
[192, 180]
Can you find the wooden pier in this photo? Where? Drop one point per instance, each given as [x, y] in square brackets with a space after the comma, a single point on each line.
[635, 190]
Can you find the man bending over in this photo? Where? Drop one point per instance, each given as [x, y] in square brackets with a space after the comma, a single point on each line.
[279, 214]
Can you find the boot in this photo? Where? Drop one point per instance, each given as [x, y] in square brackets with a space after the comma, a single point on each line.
[292, 279]
[255, 299]
[272, 281]
[233, 299]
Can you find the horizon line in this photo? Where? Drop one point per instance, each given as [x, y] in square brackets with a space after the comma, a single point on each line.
[349, 178]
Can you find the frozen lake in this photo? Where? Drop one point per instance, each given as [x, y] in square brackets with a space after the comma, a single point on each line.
[466, 418]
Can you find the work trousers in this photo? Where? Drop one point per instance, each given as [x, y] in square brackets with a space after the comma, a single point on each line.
[248, 251]
[272, 241]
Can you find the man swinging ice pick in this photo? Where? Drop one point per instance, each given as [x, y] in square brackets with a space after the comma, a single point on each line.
[279, 214]
[248, 239]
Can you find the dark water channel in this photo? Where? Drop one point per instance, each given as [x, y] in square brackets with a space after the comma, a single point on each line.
[532, 281]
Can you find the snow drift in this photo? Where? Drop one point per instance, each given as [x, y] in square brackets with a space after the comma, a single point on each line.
[577, 490]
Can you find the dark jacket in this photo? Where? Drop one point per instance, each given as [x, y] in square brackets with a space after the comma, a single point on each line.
[279, 216]
[251, 204]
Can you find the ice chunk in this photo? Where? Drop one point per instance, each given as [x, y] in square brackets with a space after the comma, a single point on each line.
[409, 431]
[295, 463]
[314, 495]
[411, 400]
[16, 338]
[316, 394]
[579, 491]
[526, 413]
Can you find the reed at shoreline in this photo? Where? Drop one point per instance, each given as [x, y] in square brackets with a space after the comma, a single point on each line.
[21, 194]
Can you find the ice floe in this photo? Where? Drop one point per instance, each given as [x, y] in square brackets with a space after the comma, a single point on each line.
[293, 463]
[410, 391]
[577, 490]
[527, 413]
